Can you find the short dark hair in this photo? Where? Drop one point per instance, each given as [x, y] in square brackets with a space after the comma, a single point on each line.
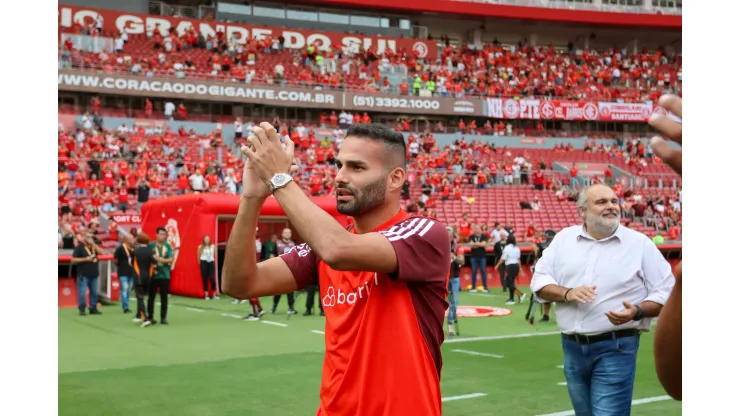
[511, 239]
[161, 229]
[393, 140]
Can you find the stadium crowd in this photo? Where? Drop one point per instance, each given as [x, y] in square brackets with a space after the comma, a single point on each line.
[117, 170]
[495, 70]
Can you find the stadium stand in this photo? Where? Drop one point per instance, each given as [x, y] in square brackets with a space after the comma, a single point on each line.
[101, 168]
[495, 71]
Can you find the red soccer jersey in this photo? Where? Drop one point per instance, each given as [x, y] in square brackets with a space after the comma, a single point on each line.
[383, 332]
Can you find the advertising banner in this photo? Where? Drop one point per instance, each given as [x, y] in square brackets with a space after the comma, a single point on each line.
[536, 109]
[134, 23]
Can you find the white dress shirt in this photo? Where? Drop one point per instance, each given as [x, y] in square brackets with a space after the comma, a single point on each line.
[624, 266]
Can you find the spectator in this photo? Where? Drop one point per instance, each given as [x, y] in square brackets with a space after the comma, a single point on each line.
[197, 182]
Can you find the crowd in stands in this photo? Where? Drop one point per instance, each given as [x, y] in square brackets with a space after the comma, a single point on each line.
[106, 171]
[495, 70]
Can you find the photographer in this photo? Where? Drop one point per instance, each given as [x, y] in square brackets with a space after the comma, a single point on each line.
[85, 258]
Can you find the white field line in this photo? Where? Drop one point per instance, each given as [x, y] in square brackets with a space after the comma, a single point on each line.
[525, 335]
[316, 331]
[463, 397]
[274, 323]
[482, 354]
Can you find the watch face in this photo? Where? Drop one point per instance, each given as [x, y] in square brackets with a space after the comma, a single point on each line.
[279, 180]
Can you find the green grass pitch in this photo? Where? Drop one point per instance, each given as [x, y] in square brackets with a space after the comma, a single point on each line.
[208, 362]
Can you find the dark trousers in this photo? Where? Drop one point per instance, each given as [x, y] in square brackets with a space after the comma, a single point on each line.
[512, 270]
[276, 300]
[141, 290]
[207, 272]
[85, 283]
[164, 289]
[311, 291]
[497, 251]
[479, 264]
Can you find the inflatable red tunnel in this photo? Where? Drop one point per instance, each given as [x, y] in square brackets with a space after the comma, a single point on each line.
[188, 218]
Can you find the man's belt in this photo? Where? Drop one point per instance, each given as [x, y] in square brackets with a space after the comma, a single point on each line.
[590, 339]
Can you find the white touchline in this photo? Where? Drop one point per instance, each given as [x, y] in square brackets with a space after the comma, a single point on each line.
[634, 403]
[525, 335]
[483, 354]
[195, 309]
[231, 315]
[561, 366]
[316, 331]
[273, 323]
[563, 383]
[463, 397]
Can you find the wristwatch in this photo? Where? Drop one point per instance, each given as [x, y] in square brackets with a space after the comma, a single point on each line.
[639, 315]
[279, 180]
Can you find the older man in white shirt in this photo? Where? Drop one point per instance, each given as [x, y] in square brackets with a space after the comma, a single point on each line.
[608, 281]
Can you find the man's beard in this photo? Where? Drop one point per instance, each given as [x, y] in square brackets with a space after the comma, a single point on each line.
[601, 225]
[364, 200]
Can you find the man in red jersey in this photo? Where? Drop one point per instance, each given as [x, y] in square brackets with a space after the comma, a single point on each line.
[383, 279]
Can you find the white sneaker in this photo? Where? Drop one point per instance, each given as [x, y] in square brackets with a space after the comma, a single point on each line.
[523, 297]
[252, 318]
[510, 302]
[484, 290]
[235, 302]
[242, 302]
[216, 297]
[207, 298]
[137, 320]
[473, 290]
[292, 312]
[146, 324]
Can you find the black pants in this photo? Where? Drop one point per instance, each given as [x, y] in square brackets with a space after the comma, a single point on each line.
[141, 290]
[311, 291]
[501, 270]
[164, 289]
[512, 270]
[207, 272]
[291, 301]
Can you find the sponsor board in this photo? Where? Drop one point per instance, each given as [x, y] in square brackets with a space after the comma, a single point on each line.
[221, 91]
[137, 23]
[536, 109]
[480, 311]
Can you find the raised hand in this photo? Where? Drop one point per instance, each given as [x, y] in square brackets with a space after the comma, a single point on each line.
[669, 128]
[266, 155]
[265, 158]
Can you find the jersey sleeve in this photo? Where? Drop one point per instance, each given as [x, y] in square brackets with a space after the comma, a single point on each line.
[422, 248]
[303, 263]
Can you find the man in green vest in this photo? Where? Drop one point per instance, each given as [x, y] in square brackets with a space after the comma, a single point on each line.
[430, 86]
[417, 85]
[161, 276]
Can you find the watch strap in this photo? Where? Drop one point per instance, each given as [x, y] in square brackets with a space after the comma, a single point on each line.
[639, 315]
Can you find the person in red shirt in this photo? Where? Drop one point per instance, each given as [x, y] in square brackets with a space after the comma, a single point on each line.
[122, 198]
[384, 264]
[464, 227]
